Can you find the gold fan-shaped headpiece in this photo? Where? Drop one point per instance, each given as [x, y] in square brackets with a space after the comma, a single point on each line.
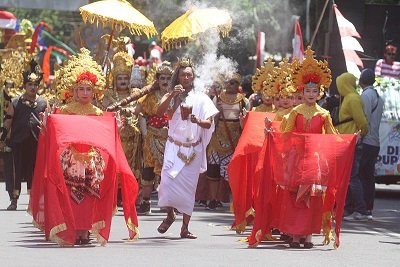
[311, 70]
[123, 63]
[183, 63]
[262, 74]
[279, 81]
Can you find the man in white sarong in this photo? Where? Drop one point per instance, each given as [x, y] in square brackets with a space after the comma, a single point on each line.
[190, 114]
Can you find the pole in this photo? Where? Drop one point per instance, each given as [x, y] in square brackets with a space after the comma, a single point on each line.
[108, 46]
[319, 23]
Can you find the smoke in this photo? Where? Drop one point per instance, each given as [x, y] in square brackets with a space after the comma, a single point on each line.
[213, 56]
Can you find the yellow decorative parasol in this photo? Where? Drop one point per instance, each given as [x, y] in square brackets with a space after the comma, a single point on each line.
[195, 21]
[118, 14]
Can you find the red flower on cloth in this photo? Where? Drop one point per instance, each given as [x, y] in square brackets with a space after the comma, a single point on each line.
[157, 121]
[312, 77]
[88, 76]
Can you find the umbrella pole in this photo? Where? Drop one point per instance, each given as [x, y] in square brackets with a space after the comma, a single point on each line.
[108, 46]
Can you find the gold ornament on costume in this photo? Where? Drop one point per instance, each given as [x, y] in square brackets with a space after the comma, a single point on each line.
[151, 74]
[311, 71]
[262, 74]
[279, 81]
[12, 68]
[66, 78]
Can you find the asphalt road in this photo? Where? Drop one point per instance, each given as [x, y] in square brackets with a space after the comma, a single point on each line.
[373, 243]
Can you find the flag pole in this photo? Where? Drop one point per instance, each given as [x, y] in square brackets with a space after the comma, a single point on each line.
[319, 23]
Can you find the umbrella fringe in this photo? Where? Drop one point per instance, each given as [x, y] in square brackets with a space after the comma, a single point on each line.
[135, 29]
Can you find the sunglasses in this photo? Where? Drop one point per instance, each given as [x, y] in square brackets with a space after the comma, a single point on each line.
[232, 82]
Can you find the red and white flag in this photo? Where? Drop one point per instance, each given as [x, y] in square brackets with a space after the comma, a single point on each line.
[298, 48]
[260, 49]
[7, 20]
[349, 44]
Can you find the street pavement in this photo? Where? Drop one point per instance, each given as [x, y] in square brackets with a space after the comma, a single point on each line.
[372, 243]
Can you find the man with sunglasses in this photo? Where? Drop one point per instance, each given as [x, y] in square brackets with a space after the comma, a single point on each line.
[388, 66]
[230, 103]
[155, 133]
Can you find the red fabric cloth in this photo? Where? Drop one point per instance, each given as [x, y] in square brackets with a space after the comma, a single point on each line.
[242, 165]
[294, 161]
[50, 201]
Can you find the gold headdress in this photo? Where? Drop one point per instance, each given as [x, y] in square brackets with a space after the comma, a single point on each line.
[311, 71]
[33, 73]
[262, 74]
[123, 63]
[165, 68]
[234, 76]
[183, 63]
[279, 81]
[79, 69]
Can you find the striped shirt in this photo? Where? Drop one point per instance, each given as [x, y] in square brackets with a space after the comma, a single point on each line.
[384, 69]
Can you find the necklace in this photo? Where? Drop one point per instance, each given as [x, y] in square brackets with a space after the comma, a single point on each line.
[231, 99]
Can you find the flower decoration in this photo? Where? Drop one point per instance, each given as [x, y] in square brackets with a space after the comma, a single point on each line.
[87, 76]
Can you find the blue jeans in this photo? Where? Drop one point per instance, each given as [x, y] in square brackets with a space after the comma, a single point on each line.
[355, 195]
[367, 173]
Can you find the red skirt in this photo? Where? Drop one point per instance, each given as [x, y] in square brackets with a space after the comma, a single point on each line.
[297, 218]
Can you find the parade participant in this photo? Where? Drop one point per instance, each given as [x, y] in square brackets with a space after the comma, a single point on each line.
[22, 118]
[352, 120]
[230, 104]
[300, 211]
[284, 99]
[80, 187]
[388, 66]
[190, 114]
[257, 84]
[373, 109]
[155, 133]
[129, 130]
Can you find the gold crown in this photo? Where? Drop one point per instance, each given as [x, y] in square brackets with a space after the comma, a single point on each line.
[66, 77]
[123, 63]
[234, 76]
[183, 63]
[261, 75]
[311, 70]
[279, 81]
[165, 68]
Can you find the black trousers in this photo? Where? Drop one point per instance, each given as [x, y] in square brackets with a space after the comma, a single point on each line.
[367, 173]
[24, 155]
[8, 172]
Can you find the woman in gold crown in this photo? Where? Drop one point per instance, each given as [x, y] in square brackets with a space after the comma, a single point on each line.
[89, 159]
[301, 206]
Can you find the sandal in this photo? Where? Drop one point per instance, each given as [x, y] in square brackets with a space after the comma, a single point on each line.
[185, 232]
[166, 223]
[294, 244]
[308, 245]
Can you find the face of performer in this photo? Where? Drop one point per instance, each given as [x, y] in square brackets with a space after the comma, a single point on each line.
[122, 82]
[277, 101]
[232, 87]
[163, 82]
[310, 93]
[185, 77]
[287, 102]
[298, 99]
[31, 89]
[266, 100]
[84, 93]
